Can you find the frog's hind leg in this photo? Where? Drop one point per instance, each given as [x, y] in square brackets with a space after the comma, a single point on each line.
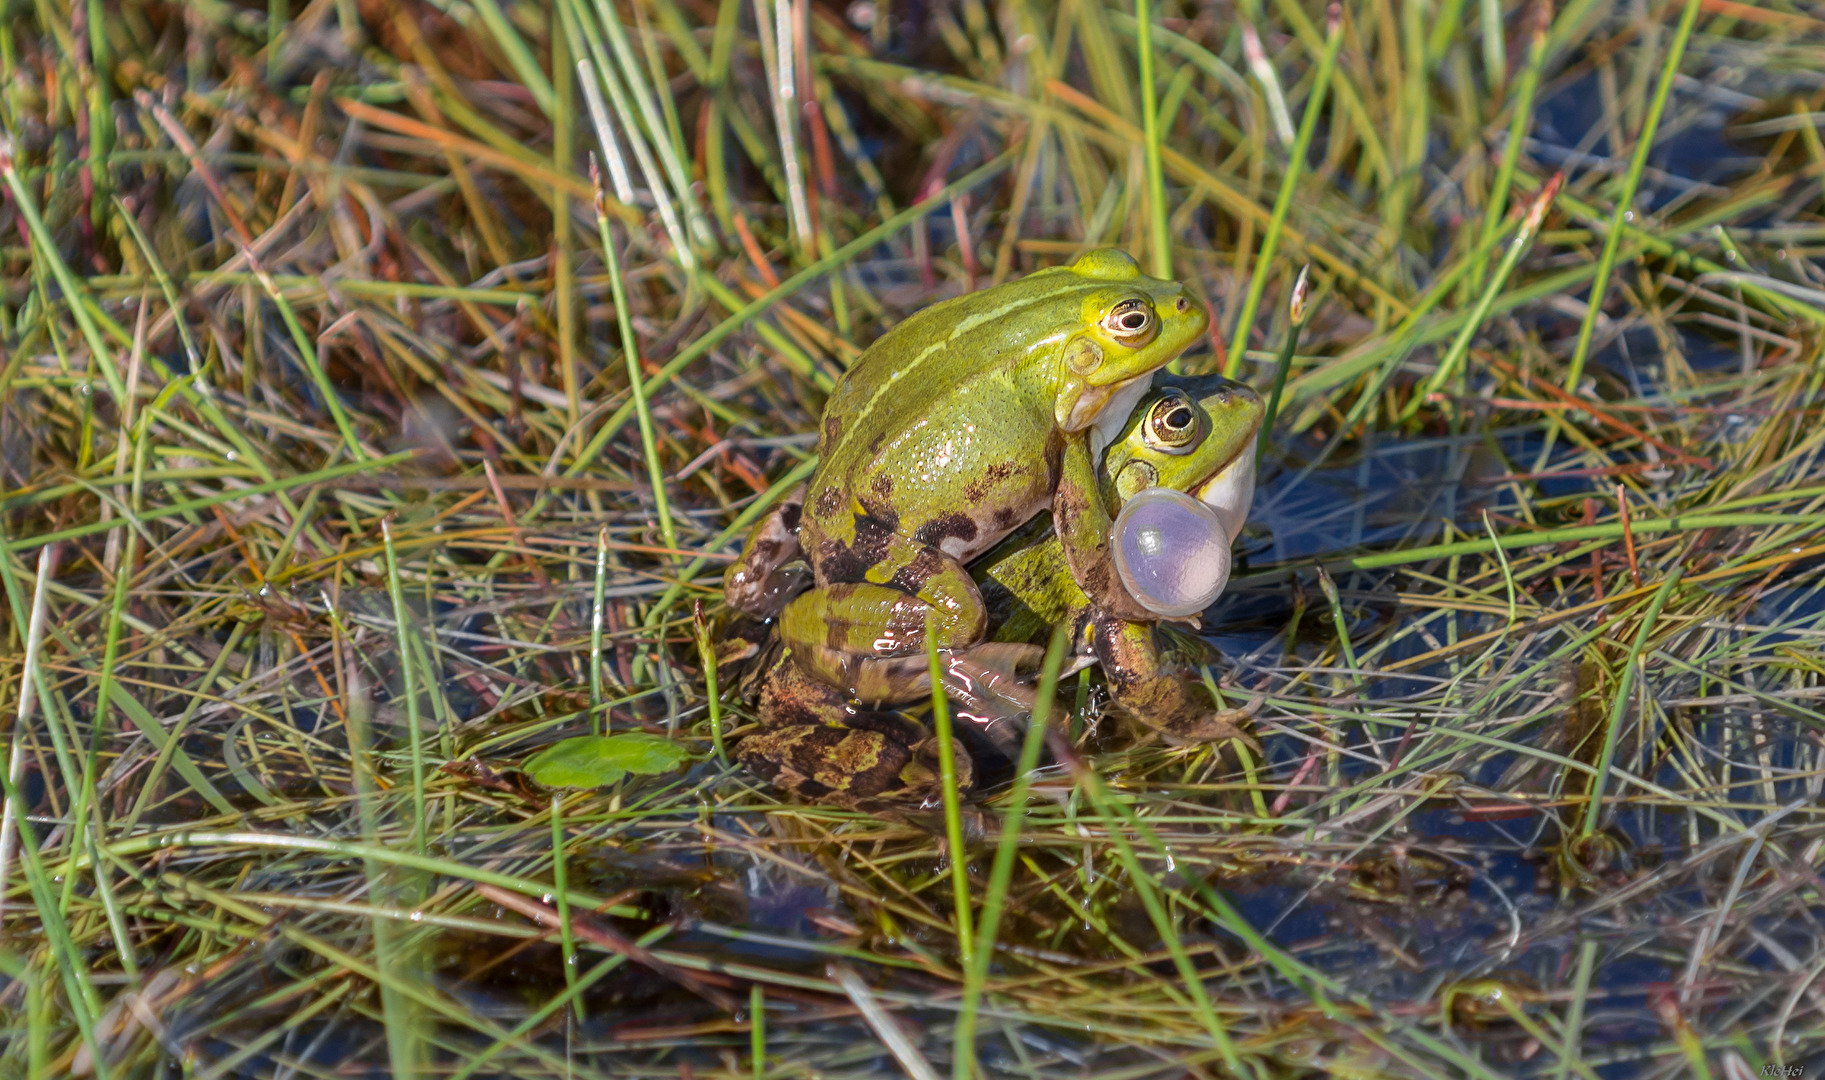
[871, 640]
[1003, 669]
[880, 591]
[989, 684]
[860, 619]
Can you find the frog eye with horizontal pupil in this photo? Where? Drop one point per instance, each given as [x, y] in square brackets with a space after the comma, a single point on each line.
[1172, 424]
[1131, 322]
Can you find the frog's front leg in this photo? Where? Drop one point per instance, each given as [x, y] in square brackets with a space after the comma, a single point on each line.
[1143, 684]
[1082, 524]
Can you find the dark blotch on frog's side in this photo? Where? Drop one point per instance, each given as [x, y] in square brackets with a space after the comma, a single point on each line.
[829, 501]
[978, 490]
[938, 529]
[910, 578]
[851, 562]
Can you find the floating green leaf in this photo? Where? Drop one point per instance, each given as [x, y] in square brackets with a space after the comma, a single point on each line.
[599, 760]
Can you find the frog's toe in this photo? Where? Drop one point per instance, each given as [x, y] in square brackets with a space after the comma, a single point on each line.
[770, 570]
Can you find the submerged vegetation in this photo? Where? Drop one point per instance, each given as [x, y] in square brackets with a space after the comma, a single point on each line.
[366, 429]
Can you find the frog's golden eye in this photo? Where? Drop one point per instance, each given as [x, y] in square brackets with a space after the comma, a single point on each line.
[1172, 424]
[1131, 322]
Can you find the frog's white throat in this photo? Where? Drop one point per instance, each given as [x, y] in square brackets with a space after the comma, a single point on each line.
[1114, 415]
[1231, 492]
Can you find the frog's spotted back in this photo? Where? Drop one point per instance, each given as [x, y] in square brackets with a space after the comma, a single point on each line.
[1107, 264]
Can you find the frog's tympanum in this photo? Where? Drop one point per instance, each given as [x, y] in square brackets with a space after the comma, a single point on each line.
[957, 426]
[1194, 438]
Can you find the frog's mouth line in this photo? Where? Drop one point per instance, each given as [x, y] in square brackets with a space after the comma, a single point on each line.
[1231, 491]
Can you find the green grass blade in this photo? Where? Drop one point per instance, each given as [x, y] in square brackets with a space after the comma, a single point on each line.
[1295, 322]
[1160, 249]
[408, 678]
[1625, 202]
[1625, 684]
[955, 851]
[1283, 202]
[1007, 847]
[1518, 125]
[630, 352]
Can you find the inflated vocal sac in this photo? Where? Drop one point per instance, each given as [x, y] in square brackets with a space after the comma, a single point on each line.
[1171, 552]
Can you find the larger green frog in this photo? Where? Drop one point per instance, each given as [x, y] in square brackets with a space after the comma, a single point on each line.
[823, 745]
[953, 429]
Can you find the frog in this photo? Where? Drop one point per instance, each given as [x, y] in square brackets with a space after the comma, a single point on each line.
[1198, 437]
[950, 431]
[1195, 436]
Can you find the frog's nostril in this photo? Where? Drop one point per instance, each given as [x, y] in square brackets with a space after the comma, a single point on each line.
[1183, 303]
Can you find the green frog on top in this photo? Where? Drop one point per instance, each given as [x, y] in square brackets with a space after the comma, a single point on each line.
[951, 431]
